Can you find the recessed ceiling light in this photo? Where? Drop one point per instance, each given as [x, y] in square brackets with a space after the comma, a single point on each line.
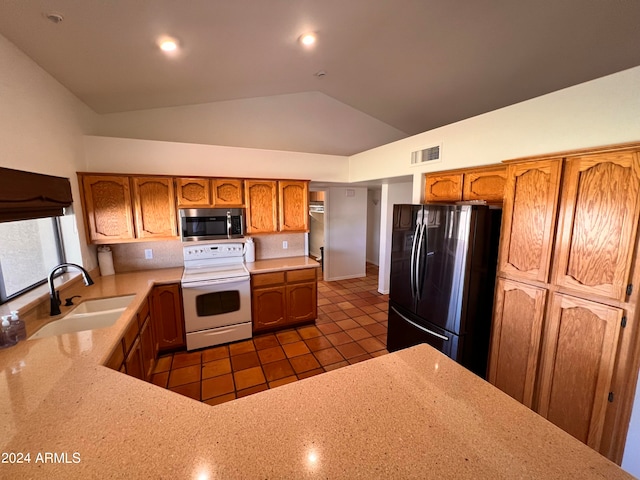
[308, 39]
[168, 44]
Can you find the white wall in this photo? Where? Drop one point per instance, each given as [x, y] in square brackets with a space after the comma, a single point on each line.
[373, 225]
[303, 122]
[42, 125]
[345, 235]
[122, 155]
[392, 194]
[601, 112]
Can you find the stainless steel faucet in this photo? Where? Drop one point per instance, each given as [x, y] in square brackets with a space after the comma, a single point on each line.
[55, 295]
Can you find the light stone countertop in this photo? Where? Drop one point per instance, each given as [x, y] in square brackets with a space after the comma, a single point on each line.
[409, 414]
[278, 264]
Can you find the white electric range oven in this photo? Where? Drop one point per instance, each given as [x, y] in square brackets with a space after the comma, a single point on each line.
[216, 294]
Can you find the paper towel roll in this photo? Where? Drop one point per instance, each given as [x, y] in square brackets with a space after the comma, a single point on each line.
[105, 262]
[249, 251]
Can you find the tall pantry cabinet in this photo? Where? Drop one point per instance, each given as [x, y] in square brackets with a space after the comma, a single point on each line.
[563, 340]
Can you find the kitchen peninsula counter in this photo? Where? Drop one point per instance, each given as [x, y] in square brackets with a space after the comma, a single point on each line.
[410, 414]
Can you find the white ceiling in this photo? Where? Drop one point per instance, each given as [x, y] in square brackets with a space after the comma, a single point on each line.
[414, 65]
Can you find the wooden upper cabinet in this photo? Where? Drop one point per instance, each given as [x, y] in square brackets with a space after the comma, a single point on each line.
[579, 350]
[598, 223]
[261, 205]
[193, 192]
[227, 192]
[155, 212]
[485, 184]
[443, 188]
[528, 219]
[515, 340]
[107, 205]
[293, 199]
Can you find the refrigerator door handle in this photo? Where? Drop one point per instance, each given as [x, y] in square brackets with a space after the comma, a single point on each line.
[426, 330]
[416, 234]
[417, 269]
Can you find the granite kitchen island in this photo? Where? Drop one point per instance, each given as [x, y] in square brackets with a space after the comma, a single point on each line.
[409, 414]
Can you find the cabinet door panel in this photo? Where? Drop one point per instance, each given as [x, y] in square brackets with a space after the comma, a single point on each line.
[261, 197]
[443, 188]
[167, 316]
[529, 212]
[227, 192]
[269, 307]
[147, 348]
[294, 206]
[301, 302]
[155, 212]
[193, 192]
[515, 340]
[485, 185]
[134, 361]
[108, 208]
[599, 224]
[579, 349]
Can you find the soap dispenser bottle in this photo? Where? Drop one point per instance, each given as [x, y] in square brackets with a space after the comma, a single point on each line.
[18, 326]
[7, 338]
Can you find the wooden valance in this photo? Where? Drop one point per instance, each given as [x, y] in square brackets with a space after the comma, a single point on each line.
[26, 195]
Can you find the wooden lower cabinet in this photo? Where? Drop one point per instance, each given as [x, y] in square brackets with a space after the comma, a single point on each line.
[147, 348]
[133, 363]
[301, 302]
[578, 360]
[283, 299]
[515, 345]
[269, 307]
[167, 317]
[135, 354]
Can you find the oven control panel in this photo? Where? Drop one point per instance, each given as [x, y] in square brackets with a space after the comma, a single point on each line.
[213, 250]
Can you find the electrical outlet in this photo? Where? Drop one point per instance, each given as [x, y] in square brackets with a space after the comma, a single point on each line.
[148, 253]
[285, 244]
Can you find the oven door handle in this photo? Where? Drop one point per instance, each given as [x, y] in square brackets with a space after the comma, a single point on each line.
[206, 283]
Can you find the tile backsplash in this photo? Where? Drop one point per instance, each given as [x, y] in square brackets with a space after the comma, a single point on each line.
[128, 257]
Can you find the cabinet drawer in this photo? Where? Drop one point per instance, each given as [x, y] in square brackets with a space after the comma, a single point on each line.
[301, 275]
[272, 278]
[130, 335]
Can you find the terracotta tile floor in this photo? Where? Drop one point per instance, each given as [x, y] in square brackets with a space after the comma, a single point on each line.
[351, 327]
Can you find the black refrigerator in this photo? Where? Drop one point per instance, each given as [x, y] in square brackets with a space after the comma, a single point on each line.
[443, 266]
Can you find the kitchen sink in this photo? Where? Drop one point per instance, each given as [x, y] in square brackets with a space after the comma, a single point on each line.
[102, 305]
[89, 315]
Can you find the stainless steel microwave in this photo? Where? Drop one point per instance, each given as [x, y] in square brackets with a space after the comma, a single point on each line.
[211, 223]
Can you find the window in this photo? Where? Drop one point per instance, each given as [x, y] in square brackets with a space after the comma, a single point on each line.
[29, 249]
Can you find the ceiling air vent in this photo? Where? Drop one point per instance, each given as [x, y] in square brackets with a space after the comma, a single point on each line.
[429, 154]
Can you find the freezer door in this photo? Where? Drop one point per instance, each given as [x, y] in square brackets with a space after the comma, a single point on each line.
[405, 330]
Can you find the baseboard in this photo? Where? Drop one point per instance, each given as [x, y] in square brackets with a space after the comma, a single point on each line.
[346, 277]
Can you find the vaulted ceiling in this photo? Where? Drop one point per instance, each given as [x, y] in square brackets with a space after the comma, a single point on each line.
[411, 64]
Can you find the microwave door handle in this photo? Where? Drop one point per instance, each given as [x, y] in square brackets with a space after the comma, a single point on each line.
[228, 224]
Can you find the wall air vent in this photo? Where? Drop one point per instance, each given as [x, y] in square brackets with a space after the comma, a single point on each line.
[429, 154]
